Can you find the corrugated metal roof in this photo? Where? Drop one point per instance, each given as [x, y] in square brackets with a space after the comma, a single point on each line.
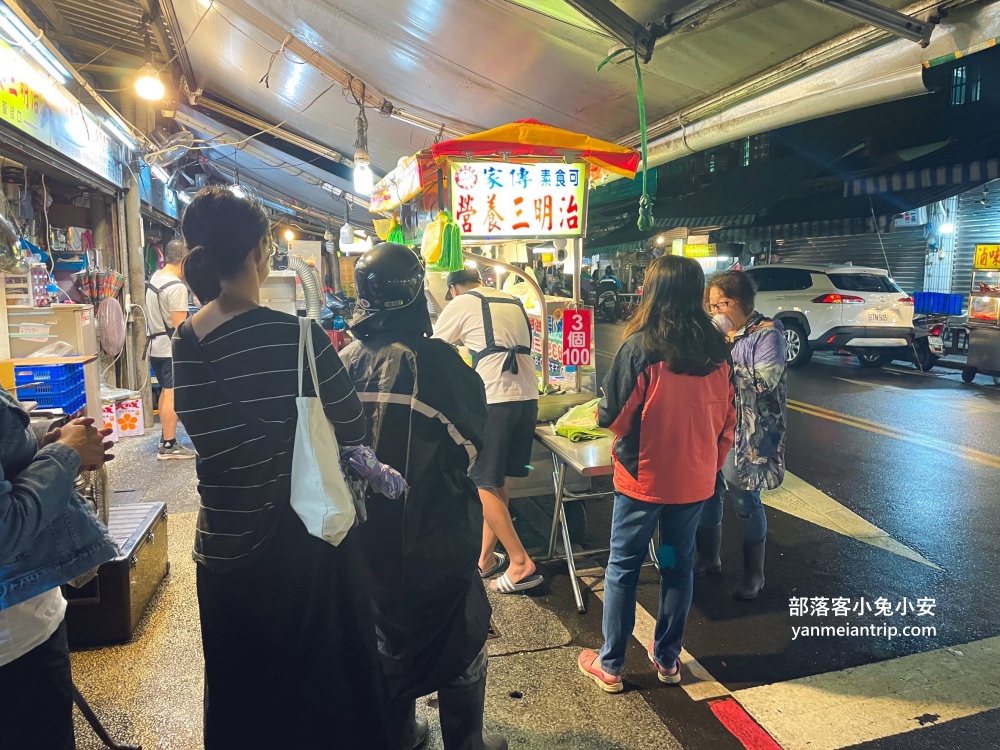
[103, 23]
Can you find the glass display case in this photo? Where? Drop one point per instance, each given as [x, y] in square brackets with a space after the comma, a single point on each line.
[983, 323]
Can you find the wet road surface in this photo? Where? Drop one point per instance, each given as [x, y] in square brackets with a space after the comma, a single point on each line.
[916, 455]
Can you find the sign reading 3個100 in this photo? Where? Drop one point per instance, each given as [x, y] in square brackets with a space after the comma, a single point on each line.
[501, 200]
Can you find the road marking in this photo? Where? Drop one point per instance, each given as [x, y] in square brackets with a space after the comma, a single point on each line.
[742, 726]
[798, 498]
[863, 704]
[959, 451]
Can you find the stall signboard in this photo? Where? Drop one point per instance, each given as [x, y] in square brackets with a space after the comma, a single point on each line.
[987, 257]
[700, 251]
[34, 103]
[510, 200]
[576, 338]
[155, 194]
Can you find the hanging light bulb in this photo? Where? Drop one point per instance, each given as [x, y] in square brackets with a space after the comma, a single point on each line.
[289, 235]
[363, 178]
[148, 84]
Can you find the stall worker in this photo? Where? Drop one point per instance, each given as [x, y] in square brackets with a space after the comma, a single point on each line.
[48, 536]
[495, 328]
[166, 309]
[427, 411]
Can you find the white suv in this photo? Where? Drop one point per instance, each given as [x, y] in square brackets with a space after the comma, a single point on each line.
[826, 308]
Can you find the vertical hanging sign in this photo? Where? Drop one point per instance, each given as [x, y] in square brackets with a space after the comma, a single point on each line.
[577, 328]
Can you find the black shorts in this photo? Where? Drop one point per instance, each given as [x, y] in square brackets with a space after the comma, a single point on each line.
[163, 368]
[508, 437]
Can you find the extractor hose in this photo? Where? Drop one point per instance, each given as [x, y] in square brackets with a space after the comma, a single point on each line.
[310, 286]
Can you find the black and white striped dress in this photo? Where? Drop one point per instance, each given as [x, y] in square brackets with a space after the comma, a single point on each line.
[284, 615]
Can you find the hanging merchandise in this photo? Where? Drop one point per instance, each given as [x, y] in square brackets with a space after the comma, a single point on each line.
[451, 248]
[396, 231]
[433, 242]
[645, 200]
[153, 258]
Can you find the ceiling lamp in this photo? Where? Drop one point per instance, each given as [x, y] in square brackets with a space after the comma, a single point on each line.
[363, 178]
[289, 235]
[148, 84]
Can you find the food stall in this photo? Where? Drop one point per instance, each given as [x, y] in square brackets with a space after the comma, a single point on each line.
[518, 186]
[983, 324]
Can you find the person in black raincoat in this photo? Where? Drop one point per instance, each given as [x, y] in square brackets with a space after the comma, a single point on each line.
[426, 409]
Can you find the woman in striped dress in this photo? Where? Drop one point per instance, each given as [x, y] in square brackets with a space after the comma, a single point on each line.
[287, 630]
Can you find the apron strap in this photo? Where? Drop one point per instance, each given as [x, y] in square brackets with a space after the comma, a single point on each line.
[510, 363]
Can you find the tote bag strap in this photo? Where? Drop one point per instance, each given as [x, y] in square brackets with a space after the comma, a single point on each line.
[307, 348]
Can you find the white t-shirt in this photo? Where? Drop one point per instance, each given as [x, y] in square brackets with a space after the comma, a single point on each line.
[159, 309]
[462, 320]
[29, 624]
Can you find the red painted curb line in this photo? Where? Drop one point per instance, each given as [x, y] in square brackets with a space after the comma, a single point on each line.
[742, 726]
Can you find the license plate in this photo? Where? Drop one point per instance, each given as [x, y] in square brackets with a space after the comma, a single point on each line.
[875, 317]
[936, 344]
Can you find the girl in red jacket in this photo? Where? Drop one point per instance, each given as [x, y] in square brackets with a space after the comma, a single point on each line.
[669, 402]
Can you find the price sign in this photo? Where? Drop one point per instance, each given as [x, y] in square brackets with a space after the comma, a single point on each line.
[577, 330]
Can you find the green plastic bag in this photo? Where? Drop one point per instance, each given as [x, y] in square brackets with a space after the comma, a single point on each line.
[580, 423]
[451, 249]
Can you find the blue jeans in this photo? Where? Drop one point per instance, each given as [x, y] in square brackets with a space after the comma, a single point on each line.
[632, 527]
[748, 507]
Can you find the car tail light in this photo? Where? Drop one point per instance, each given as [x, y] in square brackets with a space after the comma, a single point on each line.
[906, 300]
[838, 299]
[937, 330]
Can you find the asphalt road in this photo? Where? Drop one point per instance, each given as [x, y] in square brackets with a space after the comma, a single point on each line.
[915, 455]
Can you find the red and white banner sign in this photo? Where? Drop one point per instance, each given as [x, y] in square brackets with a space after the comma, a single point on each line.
[577, 330]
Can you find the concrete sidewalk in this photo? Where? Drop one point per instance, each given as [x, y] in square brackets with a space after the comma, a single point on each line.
[149, 691]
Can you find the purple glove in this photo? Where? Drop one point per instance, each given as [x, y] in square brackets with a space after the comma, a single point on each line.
[385, 480]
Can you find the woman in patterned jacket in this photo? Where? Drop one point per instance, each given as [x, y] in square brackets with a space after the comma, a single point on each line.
[758, 459]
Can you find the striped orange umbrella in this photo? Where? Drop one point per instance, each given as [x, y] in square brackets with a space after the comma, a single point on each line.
[533, 138]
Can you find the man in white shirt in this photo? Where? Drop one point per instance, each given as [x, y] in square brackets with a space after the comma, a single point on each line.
[495, 328]
[166, 309]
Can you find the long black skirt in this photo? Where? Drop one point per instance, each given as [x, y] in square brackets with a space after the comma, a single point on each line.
[290, 653]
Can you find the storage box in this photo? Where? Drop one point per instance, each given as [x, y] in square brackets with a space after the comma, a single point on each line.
[109, 420]
[108, 609]
[128, 415]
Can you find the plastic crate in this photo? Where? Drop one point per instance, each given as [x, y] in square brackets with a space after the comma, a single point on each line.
[70, 402]
[46, 373]
[28, 387]
[936, 303]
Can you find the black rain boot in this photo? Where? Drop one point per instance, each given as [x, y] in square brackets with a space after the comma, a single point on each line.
[708, 543]
[461, 711]
[753, 572]
[417, 734]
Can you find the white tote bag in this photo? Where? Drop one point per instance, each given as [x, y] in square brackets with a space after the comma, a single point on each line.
[320, 495]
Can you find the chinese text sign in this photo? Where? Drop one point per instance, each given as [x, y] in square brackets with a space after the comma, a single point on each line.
[499, 200]
[576, 338]
[987, 257]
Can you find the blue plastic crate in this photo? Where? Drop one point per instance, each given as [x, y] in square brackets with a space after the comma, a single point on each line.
[46, 373]
[28, 387]
[70, 402]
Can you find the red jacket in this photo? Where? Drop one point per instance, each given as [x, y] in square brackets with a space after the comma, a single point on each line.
[673, 432]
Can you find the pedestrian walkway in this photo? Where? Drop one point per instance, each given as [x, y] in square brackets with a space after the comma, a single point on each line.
[748, 682]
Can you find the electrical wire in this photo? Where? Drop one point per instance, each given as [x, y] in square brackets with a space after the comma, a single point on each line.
[114, 44]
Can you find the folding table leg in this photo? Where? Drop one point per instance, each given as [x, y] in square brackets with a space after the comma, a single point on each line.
[571, 562]
[559, 481]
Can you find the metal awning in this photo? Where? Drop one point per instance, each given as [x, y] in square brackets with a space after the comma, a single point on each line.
[954, 178]
[794, 230]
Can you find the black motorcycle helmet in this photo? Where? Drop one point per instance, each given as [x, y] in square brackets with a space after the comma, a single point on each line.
[388, 277]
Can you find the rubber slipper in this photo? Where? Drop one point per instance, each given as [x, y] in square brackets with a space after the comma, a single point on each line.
[501, 561]
[504, 585]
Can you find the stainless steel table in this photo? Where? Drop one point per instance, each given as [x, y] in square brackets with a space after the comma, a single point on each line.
[589, 458]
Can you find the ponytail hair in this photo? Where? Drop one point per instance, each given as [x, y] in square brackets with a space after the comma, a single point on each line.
[222, 229]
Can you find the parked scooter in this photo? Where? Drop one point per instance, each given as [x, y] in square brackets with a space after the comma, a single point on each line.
[608, 304]
[927, 348]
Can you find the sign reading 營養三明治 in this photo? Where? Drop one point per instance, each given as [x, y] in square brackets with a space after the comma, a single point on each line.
[501, 200]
